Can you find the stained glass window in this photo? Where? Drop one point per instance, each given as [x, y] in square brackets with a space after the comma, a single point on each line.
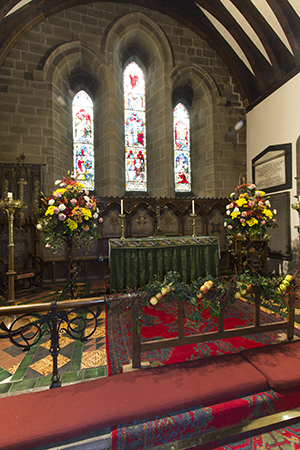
[135, 128]
[83, 139]
[182, 161]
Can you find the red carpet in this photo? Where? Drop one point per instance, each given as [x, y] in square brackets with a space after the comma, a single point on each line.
[161, 322]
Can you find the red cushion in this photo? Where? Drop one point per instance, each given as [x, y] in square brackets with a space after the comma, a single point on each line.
[279, 363]
[53, 415]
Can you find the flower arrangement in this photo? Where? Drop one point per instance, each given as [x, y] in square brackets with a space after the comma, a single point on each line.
[69, 211]
[249, 213]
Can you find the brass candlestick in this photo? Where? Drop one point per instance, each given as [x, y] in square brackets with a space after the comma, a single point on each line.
[10, 206]
[193, 216]
[122, 217]
[296, 206]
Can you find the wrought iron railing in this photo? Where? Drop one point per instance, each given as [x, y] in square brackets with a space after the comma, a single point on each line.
[31, 322]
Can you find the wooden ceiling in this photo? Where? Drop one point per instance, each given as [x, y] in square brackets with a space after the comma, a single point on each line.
[259, 40]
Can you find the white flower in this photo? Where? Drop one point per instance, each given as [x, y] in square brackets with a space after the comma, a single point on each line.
[57, 182]
[274, 211]
[51, 202]
[62, 207]
[96, 216]
[39, 226]
[236, 210]
[225, 224]
[86, 198]
[267, 203]
[228, 212]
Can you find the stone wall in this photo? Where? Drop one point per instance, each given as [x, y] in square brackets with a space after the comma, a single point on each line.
[87, 47]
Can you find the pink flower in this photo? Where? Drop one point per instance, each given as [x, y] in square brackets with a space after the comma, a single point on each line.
[242, 220]
[73, 201]
[62, 217]
[100, 220]
[244, 213]
[260, 203]
[48, 246]
[275, 220]
[239, 234]
[55, 210]
[251, 203]
[89, 205]
[86, 228]
[263, 222]
[229, 227]
[57, 194]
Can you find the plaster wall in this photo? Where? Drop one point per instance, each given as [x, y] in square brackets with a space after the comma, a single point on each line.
[272, 122]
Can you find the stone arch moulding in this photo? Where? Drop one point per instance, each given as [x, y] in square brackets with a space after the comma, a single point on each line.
[151, 36]
[200, 80]
[70, 55]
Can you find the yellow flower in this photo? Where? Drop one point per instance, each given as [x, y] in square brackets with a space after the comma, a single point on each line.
[251, 222]
[71, 224]
[234, 215]
[87, 213]
[268, 213]
[241, 201]
[60, 191]
[49, 211]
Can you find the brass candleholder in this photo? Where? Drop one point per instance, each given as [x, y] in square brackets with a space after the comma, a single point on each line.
[193, 216]
[122, 217]
[10, 206]
[296, 206]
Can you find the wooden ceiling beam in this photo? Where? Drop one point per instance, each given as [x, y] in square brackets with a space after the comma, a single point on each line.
[279, 55]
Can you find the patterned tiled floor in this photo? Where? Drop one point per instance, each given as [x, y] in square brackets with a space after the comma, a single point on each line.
[77, 361]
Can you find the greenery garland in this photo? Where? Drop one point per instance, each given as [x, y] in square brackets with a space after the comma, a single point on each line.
[215, 293]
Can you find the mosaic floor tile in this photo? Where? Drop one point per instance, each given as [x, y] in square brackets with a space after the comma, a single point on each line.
[94, 358]
[45, 366]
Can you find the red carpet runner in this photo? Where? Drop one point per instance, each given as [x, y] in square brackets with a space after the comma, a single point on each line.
[159, 322]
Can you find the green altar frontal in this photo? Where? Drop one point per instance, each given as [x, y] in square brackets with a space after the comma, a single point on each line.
[135, 262]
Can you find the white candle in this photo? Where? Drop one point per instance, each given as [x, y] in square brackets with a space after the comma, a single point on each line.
[193, 206]
[122, 206]
[9, 195]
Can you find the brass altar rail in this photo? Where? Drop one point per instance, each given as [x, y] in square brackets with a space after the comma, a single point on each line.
[43, 307]
[138, 347]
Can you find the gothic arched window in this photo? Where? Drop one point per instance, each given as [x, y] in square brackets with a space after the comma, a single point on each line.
[182, 160]
[83, 139]
[135, 128]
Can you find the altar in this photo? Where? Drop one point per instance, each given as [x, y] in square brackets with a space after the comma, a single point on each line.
[135, 262]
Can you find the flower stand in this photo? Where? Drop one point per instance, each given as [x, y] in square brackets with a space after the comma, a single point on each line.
[250, 254]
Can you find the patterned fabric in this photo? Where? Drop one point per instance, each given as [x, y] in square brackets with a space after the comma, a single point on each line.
[189, 423]
[135, 262]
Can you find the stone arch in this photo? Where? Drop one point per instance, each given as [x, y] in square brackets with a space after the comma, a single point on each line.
[136, 37]
[67, 69]
[205, 102]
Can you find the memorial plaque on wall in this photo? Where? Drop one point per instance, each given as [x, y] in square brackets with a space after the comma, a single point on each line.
[280, 244]
[272, 168]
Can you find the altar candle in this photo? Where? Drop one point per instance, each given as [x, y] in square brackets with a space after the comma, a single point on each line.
[9, 195]
[122, 206]
[193, 206]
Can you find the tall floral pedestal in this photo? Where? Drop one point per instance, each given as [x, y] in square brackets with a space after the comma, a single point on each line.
[250, 254]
